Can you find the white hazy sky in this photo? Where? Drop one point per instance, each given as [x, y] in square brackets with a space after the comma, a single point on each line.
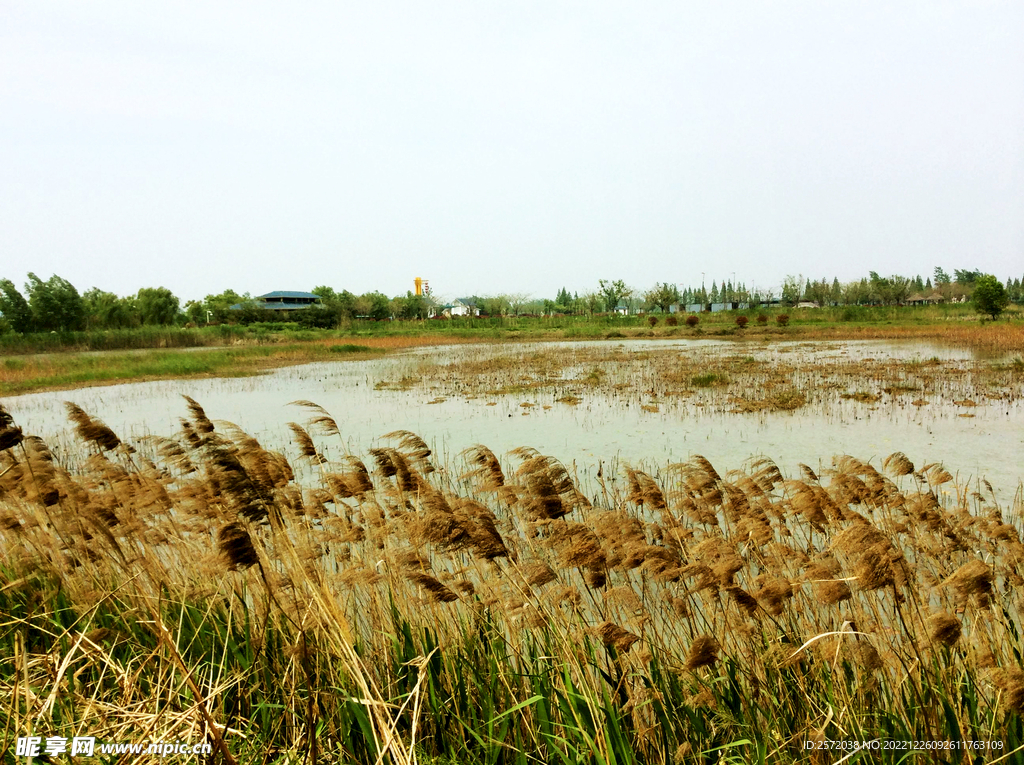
[507, 147]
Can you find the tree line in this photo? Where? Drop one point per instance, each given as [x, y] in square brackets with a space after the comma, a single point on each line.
[873, 289]
[55, 305]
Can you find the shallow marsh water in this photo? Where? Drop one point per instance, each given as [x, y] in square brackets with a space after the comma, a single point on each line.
[628, 410]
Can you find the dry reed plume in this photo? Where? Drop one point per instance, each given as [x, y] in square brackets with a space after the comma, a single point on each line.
[669, 605]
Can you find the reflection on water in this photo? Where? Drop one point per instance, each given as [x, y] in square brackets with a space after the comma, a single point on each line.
[604, 428]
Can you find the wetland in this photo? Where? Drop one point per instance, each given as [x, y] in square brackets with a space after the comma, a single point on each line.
[636, 550]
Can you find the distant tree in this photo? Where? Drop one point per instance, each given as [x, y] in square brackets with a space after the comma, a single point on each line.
[253, 313]
[989, 295]
[941, 277]
[891, 290]
[105, 310]
[55, 303]
[219, 307]
[792, 287]
[411, 306]
[563, 300]
[14, 308]
[856, 293]
[965, 277]
[517, 301]
[613, 293]
[326, 294]
[592, 302]
[375, 305]
[494, 305]
[819, 292]
[662, 296]
[715, 297]
[157, 305]
[194, 312]
[900, 288]
[317, 317]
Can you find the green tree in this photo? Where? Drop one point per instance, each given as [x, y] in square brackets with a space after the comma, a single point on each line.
[941, 277]
[195, 312]
[373, 305]
[989, 295]
[563, 300]
[662, 296]
[613, 292]
[835, 295]
[965, 277]
[818, 292]
[14, 308]
[216, 309]
[157, 305]
[792, 287]
[105, 310]
[894, 289]
[495, 305]
[56, 304]
[411, 306]
[341, 304]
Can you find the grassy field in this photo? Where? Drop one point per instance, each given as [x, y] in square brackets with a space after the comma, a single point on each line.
[207, 588]
[55, 361]
[57, 371]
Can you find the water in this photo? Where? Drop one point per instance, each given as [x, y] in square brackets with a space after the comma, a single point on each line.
[609, 427]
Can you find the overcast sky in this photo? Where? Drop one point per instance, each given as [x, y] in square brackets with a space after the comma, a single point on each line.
[507, 147]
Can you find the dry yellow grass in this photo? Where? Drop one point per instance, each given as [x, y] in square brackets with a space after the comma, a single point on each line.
[890, 574]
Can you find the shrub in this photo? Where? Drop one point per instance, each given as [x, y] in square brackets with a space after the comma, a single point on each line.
[652, 320]
[672, 321]
[762, 319]
[782, 319]
[990, 296]
[709, 379]
[741, 321]
[692, 321]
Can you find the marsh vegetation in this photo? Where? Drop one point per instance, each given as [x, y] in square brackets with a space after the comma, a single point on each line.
[352, 588]
[393, 607]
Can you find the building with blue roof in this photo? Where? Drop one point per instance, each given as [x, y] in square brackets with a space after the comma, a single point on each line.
[281, 300]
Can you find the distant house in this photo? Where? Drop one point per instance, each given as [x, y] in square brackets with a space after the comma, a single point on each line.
[281, 300]
[461, 307]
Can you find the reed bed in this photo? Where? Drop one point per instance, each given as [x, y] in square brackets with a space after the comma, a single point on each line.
[332, 607]
[823, 377]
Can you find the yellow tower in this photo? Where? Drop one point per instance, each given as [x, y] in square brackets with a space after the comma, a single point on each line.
[422, 287]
